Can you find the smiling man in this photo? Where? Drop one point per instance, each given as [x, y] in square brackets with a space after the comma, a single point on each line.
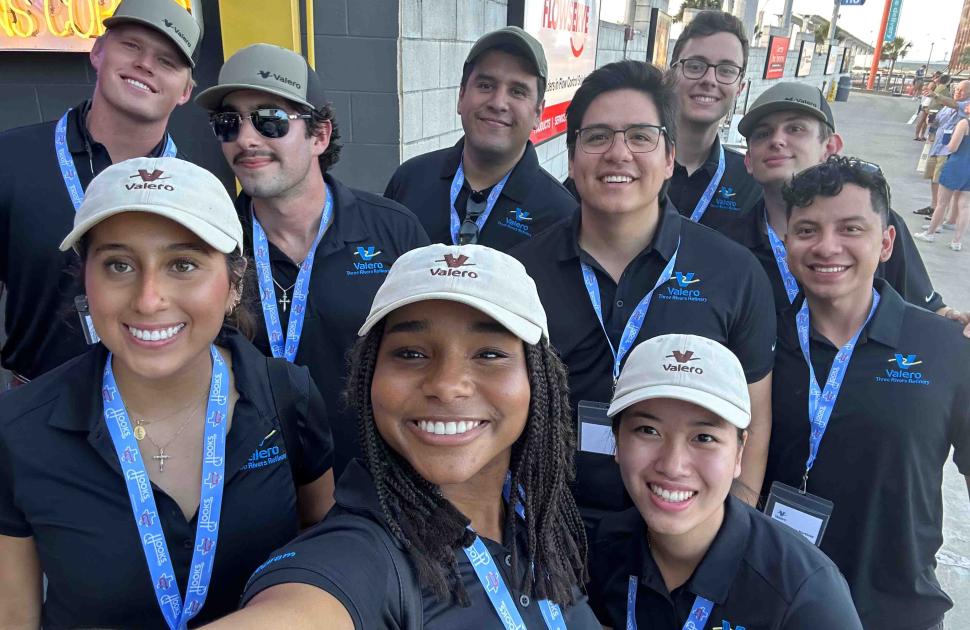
[144, 67]
[321, 249]
[789, 128]
[870, 394]
[489, 188]
[628, 267]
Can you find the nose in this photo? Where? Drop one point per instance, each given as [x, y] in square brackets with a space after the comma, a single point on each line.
[500, 99]
[619, 151]
[709, 77]
[673, 459]
[449, 379]
[150, 296]
[248, 137]
[828, 243]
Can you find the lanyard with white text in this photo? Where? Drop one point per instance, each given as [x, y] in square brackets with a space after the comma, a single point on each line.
[69, 172]
[301, 289]
[705, 199]
[456, 184]
[822, 402]
[494, 585]
[143, 500]
[781, 259]
[635, 322]
[699, 612]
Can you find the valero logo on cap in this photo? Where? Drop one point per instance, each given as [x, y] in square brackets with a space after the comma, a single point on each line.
[279, 77]
[148, 181]
[682, 360]
[453, 264]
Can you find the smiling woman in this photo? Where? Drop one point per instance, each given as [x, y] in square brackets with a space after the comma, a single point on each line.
[460, 514]
[165, 431]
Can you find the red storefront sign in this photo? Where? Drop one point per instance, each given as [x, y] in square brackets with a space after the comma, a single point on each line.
[777, 55]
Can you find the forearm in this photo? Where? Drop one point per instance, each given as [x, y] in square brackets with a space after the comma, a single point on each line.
[748, 486]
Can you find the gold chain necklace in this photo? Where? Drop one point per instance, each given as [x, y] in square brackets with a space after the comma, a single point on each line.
[141, 433]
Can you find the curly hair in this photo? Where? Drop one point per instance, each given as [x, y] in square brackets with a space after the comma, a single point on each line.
[430, 528]
[828, 178]
[313, 125]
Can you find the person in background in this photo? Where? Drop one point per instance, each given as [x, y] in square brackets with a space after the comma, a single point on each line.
[954, 185]
[941, 131]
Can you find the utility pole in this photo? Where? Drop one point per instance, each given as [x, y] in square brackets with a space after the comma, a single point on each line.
[878, 52]
[786, 16]
[930, 60]
[835, 20]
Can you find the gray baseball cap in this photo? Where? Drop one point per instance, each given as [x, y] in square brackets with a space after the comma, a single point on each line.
[516, 38]
[783, 97]
[266, 68]
[164, 16]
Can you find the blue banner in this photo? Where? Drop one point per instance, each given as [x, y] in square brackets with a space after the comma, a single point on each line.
[852, 3]
[894, 10]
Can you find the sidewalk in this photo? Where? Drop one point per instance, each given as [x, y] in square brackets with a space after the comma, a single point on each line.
[874, 128]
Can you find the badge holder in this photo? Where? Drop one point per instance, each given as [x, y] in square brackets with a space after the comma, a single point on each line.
[594, 431]
[87, 324]
[806, 513]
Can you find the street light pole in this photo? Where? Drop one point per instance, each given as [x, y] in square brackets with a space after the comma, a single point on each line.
[930, 60]
[835, 20]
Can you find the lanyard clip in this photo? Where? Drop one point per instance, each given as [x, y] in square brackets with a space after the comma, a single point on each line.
[804, 487]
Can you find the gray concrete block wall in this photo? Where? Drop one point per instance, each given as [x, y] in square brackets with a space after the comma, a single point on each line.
[356, 43]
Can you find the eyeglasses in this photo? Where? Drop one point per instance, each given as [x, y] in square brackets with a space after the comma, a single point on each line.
[468, 232]
[726, 73]
[270, 123]
[638, 138]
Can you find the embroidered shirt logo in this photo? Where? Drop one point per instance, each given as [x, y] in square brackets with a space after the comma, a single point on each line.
[683, 292]
[724, 199]
[902, 370]
[367, 266]
[263, 457]
[517, 221]
[453, 264]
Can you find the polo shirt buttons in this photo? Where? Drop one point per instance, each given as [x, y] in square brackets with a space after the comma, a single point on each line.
[508, 560]
[187, 544]
[619, 304]
[524, 600]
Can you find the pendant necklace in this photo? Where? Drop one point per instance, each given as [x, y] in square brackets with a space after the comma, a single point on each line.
[141, 433]
[284, 300]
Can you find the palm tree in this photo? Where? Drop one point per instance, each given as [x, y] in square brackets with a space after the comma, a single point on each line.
[896, 49]
[696, 4]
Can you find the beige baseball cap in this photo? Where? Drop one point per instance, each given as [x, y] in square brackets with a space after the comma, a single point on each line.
[685, 367]
[266, 68]
[164, 16]
[166, 186]
[485, 279]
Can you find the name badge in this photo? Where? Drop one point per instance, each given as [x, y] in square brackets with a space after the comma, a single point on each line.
[806, 513]
[595, 430]
[87, 323]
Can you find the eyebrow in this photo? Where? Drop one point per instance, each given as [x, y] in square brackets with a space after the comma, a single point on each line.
[489, 77]
[422, 325]
[702, 422]
[197, 247]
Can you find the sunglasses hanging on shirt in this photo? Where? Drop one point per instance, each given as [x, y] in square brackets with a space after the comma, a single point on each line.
[269, 123]
[474, 208]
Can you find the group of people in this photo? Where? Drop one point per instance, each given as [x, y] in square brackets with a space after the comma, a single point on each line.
[486, 399]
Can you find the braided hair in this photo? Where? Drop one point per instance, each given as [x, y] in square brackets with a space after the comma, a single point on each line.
[430, 528]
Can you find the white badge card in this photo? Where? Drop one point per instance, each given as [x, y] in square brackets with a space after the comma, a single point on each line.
[595, 430]
[806, 513]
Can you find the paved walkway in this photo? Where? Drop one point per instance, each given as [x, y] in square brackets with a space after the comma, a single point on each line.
[874, 128]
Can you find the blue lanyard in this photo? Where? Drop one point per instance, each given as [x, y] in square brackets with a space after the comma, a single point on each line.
[301, 289]
[143, 500]
[498, 593]
[69, 172]
[456, 185]
[822, 402]
[781, 259]
[705, 199]
[699, 612]
[635, 322]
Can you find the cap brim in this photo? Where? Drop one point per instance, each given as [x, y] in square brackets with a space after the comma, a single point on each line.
[716, 405]
[211, 98]
[219, 240]
[522, 328]
[752, 118]
[122, 19]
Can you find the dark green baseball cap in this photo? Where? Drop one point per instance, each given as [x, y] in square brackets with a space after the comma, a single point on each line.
[518, 39]
[783, 97]
[165, 16]
[266, 68]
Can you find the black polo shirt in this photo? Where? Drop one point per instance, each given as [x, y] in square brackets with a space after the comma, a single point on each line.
[531, 200]
[881, 460]
[737, 194]
[61, 483]
[367, 235]
[347, 560]
[759, 574]
[727, 299]
[904, 270]
[36, 214]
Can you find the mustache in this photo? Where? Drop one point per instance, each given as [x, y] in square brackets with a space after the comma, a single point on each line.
[245, 155]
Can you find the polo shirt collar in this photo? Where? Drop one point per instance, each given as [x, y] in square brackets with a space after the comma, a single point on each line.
[665, 239]
[521, 180]
[79, 138]
[884, 327]
[710, 164]
[714, 576]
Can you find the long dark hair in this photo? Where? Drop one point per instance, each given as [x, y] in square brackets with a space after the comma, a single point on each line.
[430, 528]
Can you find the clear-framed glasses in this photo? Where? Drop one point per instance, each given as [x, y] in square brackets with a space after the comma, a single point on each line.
[639, 138]
[726, 73]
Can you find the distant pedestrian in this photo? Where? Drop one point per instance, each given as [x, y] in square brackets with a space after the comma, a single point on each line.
[918, 83]
[955, 184]
[940, 131]
[928, 107]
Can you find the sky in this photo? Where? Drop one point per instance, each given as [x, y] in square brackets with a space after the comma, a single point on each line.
[922, 21]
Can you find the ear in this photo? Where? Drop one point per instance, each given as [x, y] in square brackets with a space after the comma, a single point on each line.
[888, 239]
[671, 158]
[747, 161]
[97, 53]
[737, 463]
[833, 146]
[321, 140]
[461, 95]
[541, 105]
[187, 92]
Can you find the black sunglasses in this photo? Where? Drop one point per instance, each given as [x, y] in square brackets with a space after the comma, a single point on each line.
[270, 123]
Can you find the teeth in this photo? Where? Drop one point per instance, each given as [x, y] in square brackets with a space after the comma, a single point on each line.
[829, 269]
[447, 428]
[138, 84]
[672, 497]
[155, 335]
[705, 99]
[617, 179]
